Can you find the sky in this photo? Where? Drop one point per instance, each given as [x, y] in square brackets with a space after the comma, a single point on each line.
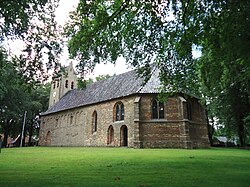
[62, 13]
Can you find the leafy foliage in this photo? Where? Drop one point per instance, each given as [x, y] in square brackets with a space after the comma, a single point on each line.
[165, 33]
[33, 22]
[16, 15]
[83, 83]
[102, 77]
[16, 97]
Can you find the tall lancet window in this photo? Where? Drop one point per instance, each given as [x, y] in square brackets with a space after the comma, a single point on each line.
[157, 109]
[119, 111]
[94, 121]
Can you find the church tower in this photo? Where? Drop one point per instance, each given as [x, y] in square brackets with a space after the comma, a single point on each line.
[61, 85]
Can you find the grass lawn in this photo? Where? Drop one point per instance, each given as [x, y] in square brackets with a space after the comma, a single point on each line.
[78, 166]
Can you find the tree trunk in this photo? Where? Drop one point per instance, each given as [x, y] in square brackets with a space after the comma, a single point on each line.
[6, 129]
[241, 133]
[210, 129]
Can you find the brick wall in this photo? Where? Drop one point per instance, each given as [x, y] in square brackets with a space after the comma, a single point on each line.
[175, 131]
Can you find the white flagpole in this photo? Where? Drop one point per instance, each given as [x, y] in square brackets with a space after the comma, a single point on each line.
[24, 119]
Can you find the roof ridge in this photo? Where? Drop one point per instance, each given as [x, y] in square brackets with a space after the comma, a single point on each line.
[113, 76]
[117, 86]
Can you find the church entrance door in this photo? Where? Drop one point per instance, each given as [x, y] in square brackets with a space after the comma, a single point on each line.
[124, 136]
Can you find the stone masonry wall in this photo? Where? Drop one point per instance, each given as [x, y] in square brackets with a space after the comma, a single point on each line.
[74, 127]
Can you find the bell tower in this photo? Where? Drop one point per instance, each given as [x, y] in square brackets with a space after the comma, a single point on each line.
[61, 85]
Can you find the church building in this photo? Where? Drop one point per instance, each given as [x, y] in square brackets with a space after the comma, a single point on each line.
[121, 111]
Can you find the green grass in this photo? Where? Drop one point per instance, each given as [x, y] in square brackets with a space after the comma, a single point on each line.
[77, 166]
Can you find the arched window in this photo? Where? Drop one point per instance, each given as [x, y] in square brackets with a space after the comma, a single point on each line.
[110, 135]
[154, 109]
[157, 109]
[54, 85]
[119, 111]
[72, 85]
[122, 111]
[94, 121]
[66, 84]
[161, 110]
[58, 84]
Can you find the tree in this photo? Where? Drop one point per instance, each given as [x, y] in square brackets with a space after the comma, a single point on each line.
[16, 97]
[38, 102]
[16, 16]
[102, 77]
[32, 21]
[165, 33]
[82, 83]
[12, 96]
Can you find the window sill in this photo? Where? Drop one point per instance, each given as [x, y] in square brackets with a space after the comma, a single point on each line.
[122, 121]
[156, 121]
[162, 119]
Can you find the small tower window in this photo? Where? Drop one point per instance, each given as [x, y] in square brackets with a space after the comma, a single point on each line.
[54, 85]
[58, 84]
[72, 85]
[157, 109]
[66, 84]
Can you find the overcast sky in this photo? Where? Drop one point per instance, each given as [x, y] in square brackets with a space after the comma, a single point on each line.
[62, 13]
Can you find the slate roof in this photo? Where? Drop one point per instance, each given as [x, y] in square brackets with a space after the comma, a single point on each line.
[114, 87]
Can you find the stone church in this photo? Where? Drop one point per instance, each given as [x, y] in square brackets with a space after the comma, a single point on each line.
[121, 111]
